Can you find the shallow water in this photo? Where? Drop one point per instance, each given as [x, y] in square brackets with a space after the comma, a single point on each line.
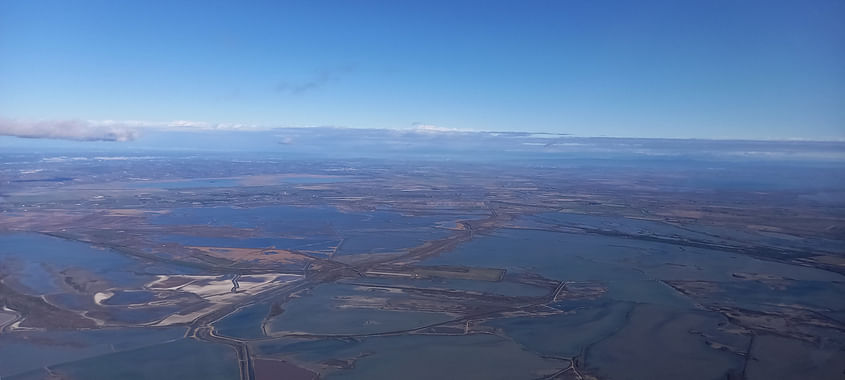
[580, 257]
[423, 357]
[245, 322]
[656, 336]
[310, 228]
[566, 334]
[40, 259]
[324, 310]
[506, 287]
[181, 359]
[26, 351]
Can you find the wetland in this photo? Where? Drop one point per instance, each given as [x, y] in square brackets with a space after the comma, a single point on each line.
[417, 270]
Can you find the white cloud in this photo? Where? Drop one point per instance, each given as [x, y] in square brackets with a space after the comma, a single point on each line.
[179, 125]
[431, 128]
[108, 130]
[68, 130]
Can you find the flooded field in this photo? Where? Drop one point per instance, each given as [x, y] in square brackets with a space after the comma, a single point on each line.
[31, 351]
[419, 357]
[181, 359]
[318, 231]
[350, 309]
[492, 278]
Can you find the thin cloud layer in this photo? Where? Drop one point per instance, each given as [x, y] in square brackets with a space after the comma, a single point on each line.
[431, 128]
[78, 130]
[107, 130]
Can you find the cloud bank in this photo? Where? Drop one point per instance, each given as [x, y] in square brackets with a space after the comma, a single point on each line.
[431, 128]
[78, 130]
[107, 130]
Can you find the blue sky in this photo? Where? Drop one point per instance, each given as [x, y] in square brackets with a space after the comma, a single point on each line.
[704, 69]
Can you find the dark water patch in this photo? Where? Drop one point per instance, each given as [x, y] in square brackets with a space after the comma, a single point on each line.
[182, 359]
[279, 369]
[783, 358]
[291, 220]
[244, 323]
[773, 295]
[299, 244]
[50, 265]
[31, 350]
[136, 315]
[345, 309]
[388, 241]
[580, 257]
[655, 336]
[566, 334]
[41, 256]
[421, 357]
[505, 288]
[323, 228]
[124, 297]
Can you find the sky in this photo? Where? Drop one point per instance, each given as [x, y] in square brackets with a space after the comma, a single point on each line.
[675, 69]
